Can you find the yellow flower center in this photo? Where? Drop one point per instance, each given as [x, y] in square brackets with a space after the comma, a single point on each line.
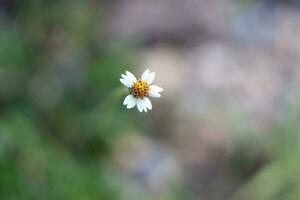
[140, 89]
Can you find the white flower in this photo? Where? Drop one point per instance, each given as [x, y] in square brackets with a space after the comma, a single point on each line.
[140, 89]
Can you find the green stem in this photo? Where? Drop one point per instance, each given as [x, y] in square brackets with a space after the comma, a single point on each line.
[104, 116]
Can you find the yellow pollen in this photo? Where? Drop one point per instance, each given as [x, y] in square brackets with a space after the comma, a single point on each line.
[140, 89]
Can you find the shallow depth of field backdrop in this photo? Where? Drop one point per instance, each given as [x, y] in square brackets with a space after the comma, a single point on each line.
[227, 127]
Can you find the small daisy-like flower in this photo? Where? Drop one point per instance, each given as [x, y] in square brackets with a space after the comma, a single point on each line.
[140, 89]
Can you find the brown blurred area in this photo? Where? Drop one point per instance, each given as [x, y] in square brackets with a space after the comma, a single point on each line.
[230, 74]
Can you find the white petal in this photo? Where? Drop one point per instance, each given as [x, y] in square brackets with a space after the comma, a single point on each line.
[124, 76]
[126, 82]
[145, 74]
[154, 94]
[130, 101]
[148, 77]
[148, 103]
[140, 105]
[156, 88]
[131, 76]
[151, 78]
[127, 78]
[145, 107]
[155, 91]
[131, 104]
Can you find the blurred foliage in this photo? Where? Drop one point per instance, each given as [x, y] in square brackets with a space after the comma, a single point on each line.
[279, 179]
[56, 72]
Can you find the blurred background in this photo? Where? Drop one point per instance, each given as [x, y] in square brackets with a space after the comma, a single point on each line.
[226, 128]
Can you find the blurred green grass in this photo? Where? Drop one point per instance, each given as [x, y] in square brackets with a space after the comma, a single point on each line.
[56, 70]
[279, 178]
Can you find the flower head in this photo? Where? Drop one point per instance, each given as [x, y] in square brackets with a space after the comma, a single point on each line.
[140, 90]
